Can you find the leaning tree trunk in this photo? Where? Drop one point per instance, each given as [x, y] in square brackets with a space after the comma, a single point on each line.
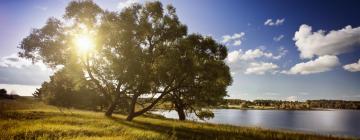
[131, 110]
[112, 105]
[133, 114]
[110, 109]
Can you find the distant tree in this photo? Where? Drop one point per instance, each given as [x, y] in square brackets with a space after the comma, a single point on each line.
[37, 93]
[3, 93]
[69, 89]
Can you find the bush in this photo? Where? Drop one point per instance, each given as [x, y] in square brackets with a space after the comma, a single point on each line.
[66, 90]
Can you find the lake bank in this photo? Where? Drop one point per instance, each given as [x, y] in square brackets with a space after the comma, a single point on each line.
[273, 108]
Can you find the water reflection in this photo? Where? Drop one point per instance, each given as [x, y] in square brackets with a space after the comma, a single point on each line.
[336, 122]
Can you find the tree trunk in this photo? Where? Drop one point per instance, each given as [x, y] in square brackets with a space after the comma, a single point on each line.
[181, 114]
[110, 109]
[131, 111]
[133, 114]
[112, 105]
[180, 110]
[130, 117]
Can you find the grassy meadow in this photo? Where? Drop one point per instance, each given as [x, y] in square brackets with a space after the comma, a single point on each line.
[26, 118]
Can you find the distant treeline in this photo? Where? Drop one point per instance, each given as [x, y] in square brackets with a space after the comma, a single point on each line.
[309, 104]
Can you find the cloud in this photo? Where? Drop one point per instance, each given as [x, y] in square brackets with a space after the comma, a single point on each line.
[22, 90]
[270, 22]
[321, 64]
[237, 43]
[14, 61]
[29, 75]
[126, 3]
[354, 67]
[278, 38]
[250, 61]
[260, 68]
[236, 39]
[15, 70]
[253, 54]
[42, 8]
[304, 93]
[282, 52]
[292, 98]
[271, 94]
[321, 43]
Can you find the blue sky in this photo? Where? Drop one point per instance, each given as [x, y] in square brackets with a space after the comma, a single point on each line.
[267, 59]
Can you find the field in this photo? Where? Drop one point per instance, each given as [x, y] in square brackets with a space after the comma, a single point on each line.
[26, 118]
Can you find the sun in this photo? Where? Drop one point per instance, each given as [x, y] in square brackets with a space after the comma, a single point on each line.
[84, 43]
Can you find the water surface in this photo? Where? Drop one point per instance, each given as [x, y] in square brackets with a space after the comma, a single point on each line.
[334, 122]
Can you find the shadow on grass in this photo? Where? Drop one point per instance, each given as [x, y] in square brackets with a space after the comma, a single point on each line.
[181, 132]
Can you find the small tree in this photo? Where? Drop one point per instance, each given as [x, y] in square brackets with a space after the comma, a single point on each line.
[3, 93]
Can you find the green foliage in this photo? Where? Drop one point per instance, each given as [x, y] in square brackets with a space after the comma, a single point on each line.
[205, 114]
[198, 64]
[69, 89]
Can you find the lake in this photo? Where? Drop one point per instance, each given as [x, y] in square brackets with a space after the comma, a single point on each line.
[334, 122]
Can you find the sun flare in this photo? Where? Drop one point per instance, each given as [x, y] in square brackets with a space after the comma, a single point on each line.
[84, 43]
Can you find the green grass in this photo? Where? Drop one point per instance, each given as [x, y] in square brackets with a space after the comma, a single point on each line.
[28, 119]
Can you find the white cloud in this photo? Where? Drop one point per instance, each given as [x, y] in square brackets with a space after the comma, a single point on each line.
[237, 43]
[321, 64]
[233, 56]
[14, 61]
[321, 43]
[236, 39]
[272, 94]
[278, 38]
[249, 61]
[253, 54]
[270, 22]
[260, 68]
[354, 67]
[282, 52]
[291, 98]
[304, 93]
[257, 53]
[126, 3]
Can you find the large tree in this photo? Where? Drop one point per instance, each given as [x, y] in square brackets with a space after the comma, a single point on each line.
[139, 52]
